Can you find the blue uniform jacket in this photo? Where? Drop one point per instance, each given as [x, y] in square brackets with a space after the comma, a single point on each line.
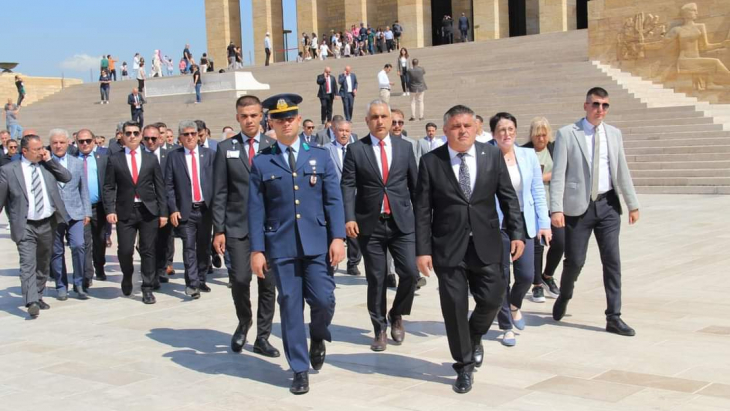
[288, 216]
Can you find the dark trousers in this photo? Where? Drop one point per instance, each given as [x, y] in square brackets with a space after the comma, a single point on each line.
[196, 232]
[326, 103]
[464, 35]
[268, 55]
[113, 74]
[348, 101]
[74, 231]
[523, 272]
[404, 79]
[163, 255]
[239, 250]
[34, 251]
[387, 237]
[486, 284]
[299, 280]
[21, 96]
[353, 253]
[95, 243]
[138, 116]
[554, 254]
[145, 224]
[604, 220]
[390, 45]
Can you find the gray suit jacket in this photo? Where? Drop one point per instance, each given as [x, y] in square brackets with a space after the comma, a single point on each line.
[333, 150]
[323, 137]
[416, 152]
[570, 186]
[416, 82]
[75, 193]
[13, 194]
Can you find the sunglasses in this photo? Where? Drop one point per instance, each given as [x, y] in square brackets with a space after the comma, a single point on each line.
[132, 133]
[88, 141]
[400, 123]
[309, 127]
[596, 105]
[192, 133]
[153, 139]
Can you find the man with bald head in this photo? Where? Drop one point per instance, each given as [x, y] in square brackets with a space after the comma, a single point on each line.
[348, 90]
[327, 92]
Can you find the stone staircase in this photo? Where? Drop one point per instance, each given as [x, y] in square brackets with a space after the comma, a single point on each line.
[37, 88]
[680, 148]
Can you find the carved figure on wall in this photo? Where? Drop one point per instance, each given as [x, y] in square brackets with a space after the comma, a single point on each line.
[637, 31]
[691, 39]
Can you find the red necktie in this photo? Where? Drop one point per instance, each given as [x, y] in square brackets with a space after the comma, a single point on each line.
[327, 79]
[196, 183]
[384, 162]
[251, 152]
[134, 167]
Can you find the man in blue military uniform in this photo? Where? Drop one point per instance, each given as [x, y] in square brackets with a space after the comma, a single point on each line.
[297, 226]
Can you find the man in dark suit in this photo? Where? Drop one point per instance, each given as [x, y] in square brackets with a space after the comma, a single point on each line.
[204, 139]
[29, 189]
[189, 182]
[134, 198]
[308, 135]
[117, 143]
[164, 251]
[94, 159]
[378, 185]
[231, 171]
[326, 92]
[12, 153]
[464, 27]
[136, 103]
[348, 91]
[458, 234]
[329, 134]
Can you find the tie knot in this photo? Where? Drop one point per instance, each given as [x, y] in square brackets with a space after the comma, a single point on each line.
[461, 155]
[132, 152]
[289, 150]
[251, 140]
[382, 143]
[192, 152]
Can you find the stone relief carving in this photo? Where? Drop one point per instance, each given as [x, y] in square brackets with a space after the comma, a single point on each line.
[689, 39]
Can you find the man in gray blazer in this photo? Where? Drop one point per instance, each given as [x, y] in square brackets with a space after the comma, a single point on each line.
[329, 134]
[589, 173]
[75, 196]
[431, 141]
[416, 87]
[29, 188]
[337, 150]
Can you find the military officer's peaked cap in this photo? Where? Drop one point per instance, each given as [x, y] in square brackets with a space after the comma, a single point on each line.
[282, 105]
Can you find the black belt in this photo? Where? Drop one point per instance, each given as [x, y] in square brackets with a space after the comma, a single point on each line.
[38, 222]
[197, 206]
[137, 204]
[385, 216]
[382, 88]
[94, 205]
[604, 195]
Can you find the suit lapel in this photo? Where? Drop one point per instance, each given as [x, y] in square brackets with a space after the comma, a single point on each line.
[122, 163]
[184, 164]
[370, 154]
[443, 155]
[580, 137]
[482, 166]
[303, 157]
[21, 179]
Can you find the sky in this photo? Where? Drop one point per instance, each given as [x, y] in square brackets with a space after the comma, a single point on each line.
[55, 38]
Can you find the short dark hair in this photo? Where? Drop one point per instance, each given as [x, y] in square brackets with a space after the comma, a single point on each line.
[501, 116]
[480, 118]
[151, 126]
[160, 124]
[414, 62]
[26, 140]
[308, 120]
[129, 124]
[387, 66]
[245, 101]
[337, 118]
[431, 125]
[200, 124]
[457, 110]
[599, 92]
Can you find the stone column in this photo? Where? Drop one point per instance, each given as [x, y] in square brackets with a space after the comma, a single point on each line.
[557, 15]
[223, 25]
[307, 19]
[415, 17]
[267, 17]
[491, 19]
[458, 7]
[356, 12]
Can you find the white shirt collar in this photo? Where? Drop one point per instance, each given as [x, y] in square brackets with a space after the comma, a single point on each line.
[472, 152]
[127, 150]
[376, 142]
[587, 126]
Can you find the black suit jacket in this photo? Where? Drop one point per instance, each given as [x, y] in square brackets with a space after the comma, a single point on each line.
[130, 101]
[101, 160]
[230, 185]
[444, 217]
[6, 158]
[322, 93]
[115, 146]
[119, 190]
[363, 188]
[163, 160]
[178, 181]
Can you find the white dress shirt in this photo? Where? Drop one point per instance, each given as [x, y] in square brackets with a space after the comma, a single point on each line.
[206, 143]
[267, 42]
[138, 160]
[388, 154]
[485, 137]
[436, 142]
[604, 171]
[516, 179]
[245, 143]
[471, 163]
[28, 176]
[383, 80]
[348, 83]
[189, 161]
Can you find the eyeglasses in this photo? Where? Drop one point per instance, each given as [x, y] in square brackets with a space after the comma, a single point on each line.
[152, 139]
[192, 133]
[132, 133]
[400, 122]
[87, 141]
[309, 127]
[596, 105]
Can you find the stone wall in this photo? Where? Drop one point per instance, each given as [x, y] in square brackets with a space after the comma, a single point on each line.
[644, 38]
[223, 24]
[36, 88]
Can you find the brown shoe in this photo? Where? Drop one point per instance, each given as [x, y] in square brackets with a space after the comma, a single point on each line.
[380, 342]
[396, 328]
[170, 270]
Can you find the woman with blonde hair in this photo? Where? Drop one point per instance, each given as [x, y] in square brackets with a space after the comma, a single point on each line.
[541, 140]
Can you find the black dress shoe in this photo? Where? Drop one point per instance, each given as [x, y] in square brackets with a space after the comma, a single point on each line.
[81, 293]
[463, 382]
[618, 326]
[478, 355]
[216, 260]
[239, 336]
[390, 281]
[164, 279]
[317, 353]
[204, 288]
[43, 305]
[397, 331]
[561, 304]
[148, 297]
[263, 346]
[34, 310]
[353, 270]
[127, 287]
[101, 277]
[300, 384]
[421, 282]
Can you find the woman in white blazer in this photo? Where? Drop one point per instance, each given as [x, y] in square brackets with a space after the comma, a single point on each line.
[526, 176]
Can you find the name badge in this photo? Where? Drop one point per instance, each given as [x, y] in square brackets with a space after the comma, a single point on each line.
[233, 154]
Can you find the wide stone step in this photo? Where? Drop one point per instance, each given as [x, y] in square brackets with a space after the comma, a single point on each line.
[680, 165]
[687, 151]
[632, 144]
[680, 173]
[682, 181]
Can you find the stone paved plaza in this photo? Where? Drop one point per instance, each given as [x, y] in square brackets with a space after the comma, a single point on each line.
[114, 353]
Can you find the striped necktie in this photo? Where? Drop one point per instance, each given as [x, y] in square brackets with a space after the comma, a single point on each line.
[37, 190]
